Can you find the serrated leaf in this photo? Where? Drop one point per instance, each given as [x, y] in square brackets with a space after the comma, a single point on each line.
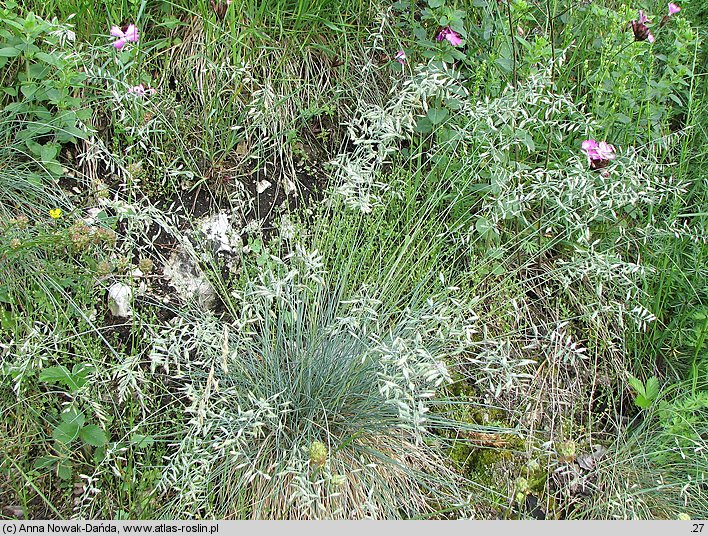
[652, 388]
[93, 435]
[637, 385]
[80, 373]
[642, 402]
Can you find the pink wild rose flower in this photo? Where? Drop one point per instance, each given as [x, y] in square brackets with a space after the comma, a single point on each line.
[140, 90]
[451, 35]
[599, 154]
[129, 34]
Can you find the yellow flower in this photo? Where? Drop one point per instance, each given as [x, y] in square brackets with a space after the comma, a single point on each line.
[55, 213]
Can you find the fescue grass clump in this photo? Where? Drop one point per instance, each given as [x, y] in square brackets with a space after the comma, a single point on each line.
[313, 402]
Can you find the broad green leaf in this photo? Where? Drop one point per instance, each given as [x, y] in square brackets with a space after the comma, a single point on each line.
[49, 152]
[8, 320]
[99, 454]
[73, 417]
[9, 52]
[423, 125]
[46, 58]
[54, 168]
[66, 432]
[80, 373]
[93, 435]
[58, 374]
[29, 90]
[34, 147]
[437, 115]
[65, 469]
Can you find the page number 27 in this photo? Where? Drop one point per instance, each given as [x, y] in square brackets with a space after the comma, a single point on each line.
[697, 527]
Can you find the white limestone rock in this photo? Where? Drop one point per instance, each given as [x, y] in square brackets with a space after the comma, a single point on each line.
[120, 300]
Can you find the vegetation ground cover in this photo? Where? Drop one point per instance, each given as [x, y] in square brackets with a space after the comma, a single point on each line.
[302, 259]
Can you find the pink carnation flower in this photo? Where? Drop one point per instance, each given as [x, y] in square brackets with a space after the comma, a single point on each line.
[140, 90]
[129, 35]
[599, 154]
[640, 28]
[451, 35]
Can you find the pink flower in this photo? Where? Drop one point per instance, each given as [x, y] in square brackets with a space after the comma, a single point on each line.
[401, 57]
[451, 35]
[599, 154]
[673, 9]
[140, 90]
[640, 28]
[128, 35]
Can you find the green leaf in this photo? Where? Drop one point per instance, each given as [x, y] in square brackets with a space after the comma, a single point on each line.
[58, 374]
[34, 147]
[637, 385]
[8, 320]
[45, 462]
[80, 373]
[423, 125]
[437, 115]
[652, 388]
[99, 454]
[65, 469]
[436, 3]
[141, 441]
[505, 63]
[66, 432]
[5, 296]
[73, 417]
[49, 152]
[93, 435]
[54, 168]
[46, 58]
[29, 90]
[9, 52]
[642, 402]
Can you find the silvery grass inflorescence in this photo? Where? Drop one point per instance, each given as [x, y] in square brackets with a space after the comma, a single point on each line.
[376, 132]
